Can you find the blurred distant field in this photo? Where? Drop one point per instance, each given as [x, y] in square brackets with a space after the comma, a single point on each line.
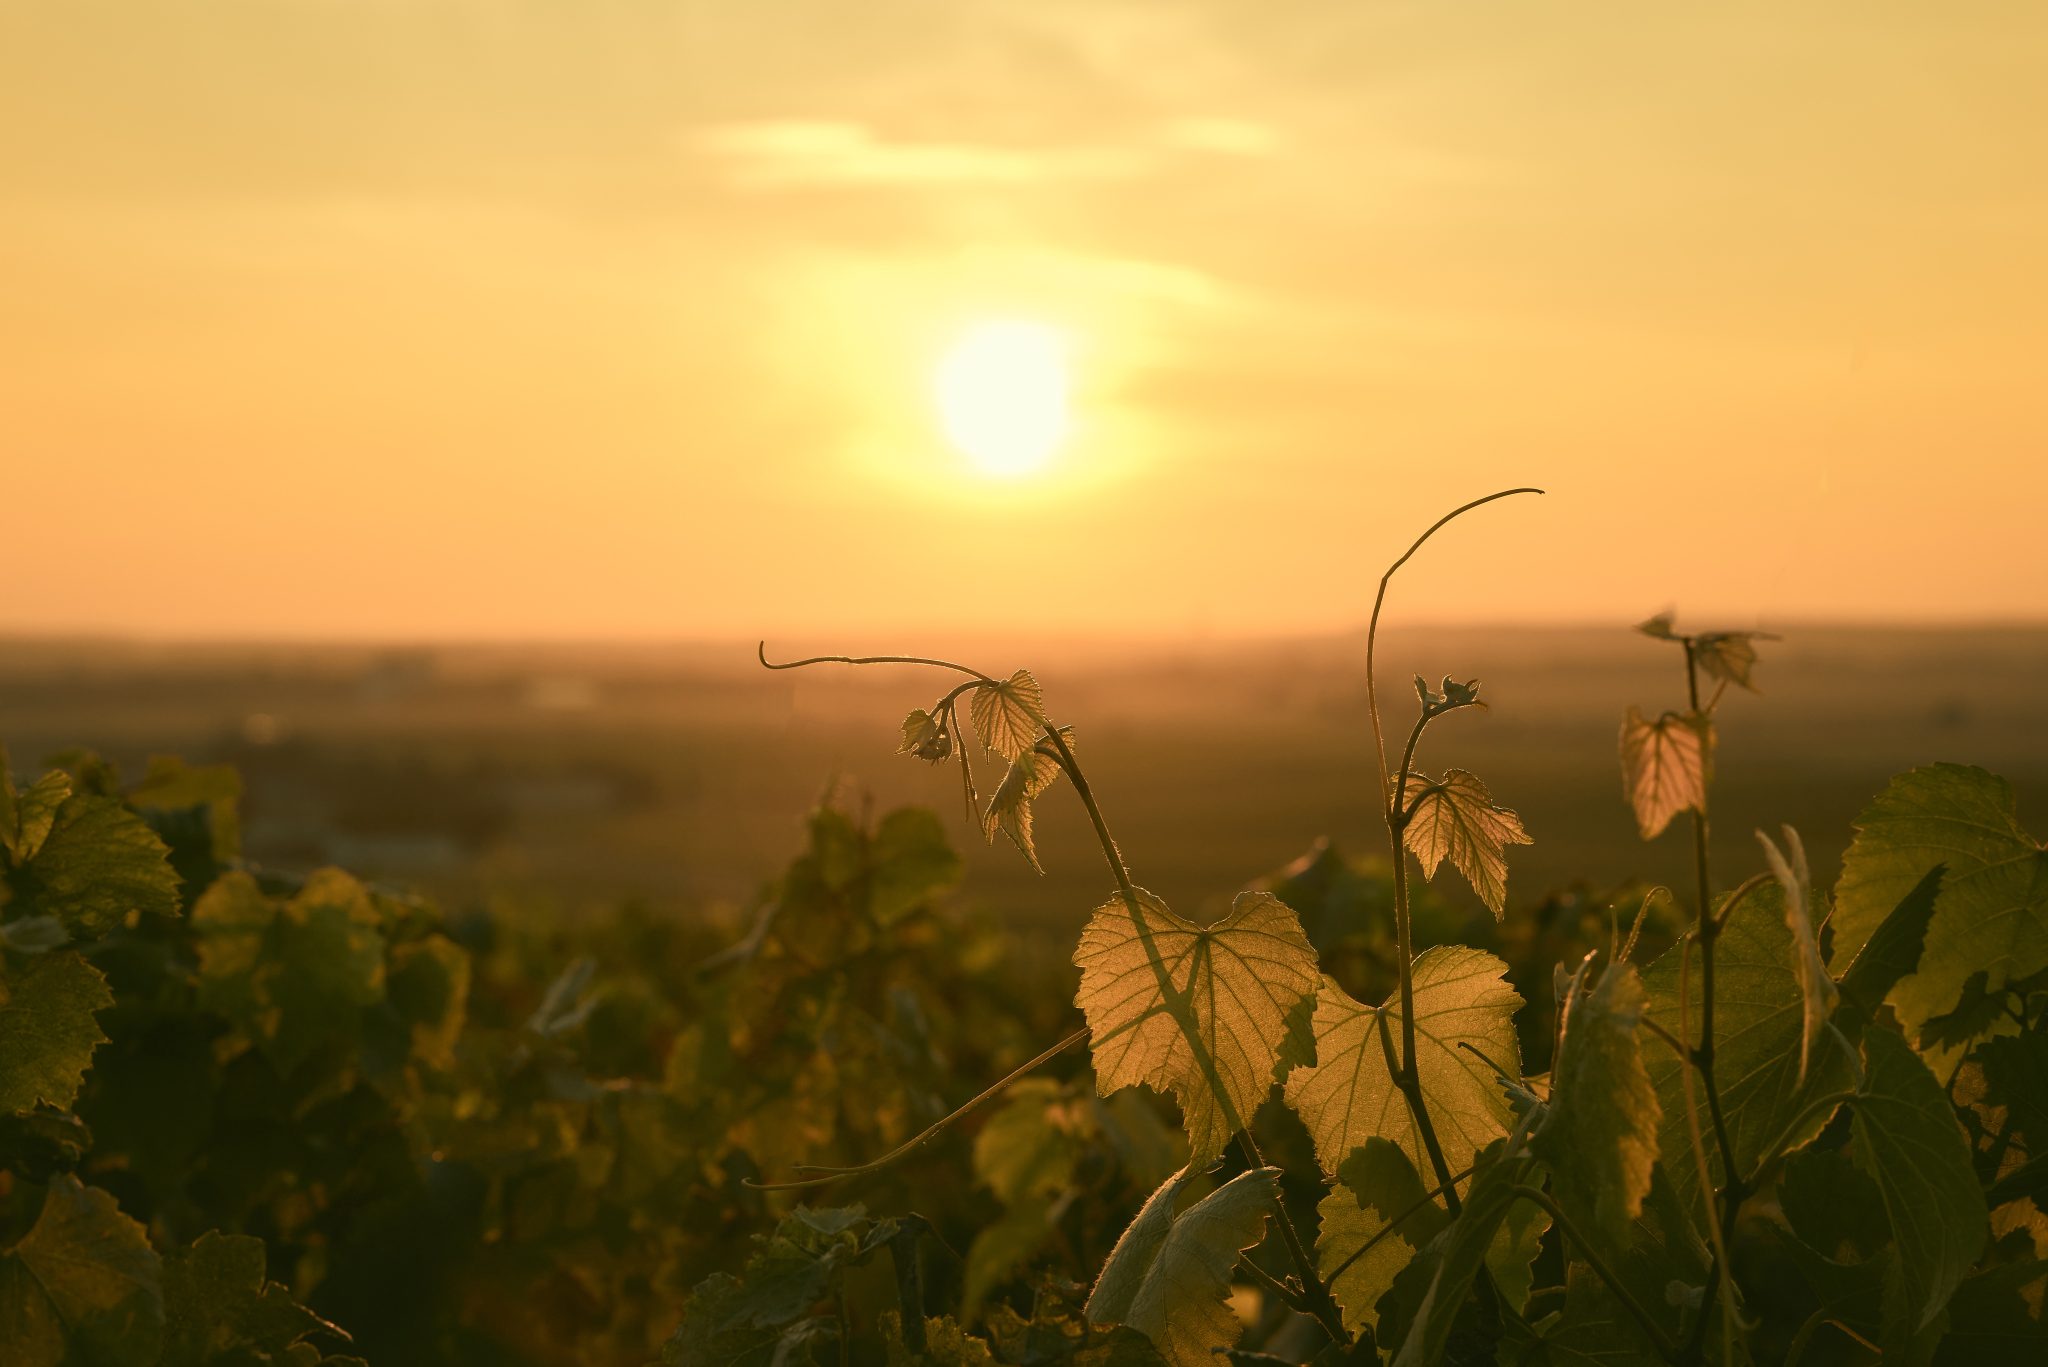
[553, 778]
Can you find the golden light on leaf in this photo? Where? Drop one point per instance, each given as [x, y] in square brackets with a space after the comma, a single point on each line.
[1002, 390]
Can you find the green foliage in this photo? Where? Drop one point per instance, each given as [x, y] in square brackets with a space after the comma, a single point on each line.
[83, 1284]
[1990, 922]
[1600, 1136]
[47, 1006]
[1212, 1015]
[1373, 1222]
[1169, 1274]
[1464, 1016]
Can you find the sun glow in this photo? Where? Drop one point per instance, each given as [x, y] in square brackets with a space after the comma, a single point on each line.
[1002, 391]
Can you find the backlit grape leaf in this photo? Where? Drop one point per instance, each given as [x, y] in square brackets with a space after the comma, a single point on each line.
[1376, 1187]
[1169, 1275]
[1728, 655]
[925, 736]
[1905, 1136]
[1759, 1018]
[1817, 992]
[1599, 1136]
[47, 1028]
[81, 1286]
[217, 1302]
[1461, 1253]
[98, 862]
[1349, 1094]
[1214, 1015]
[1009, 715]
[1665, 766]
[1009, 807]
[295, 975]
[1455, 818]
[1991, 915]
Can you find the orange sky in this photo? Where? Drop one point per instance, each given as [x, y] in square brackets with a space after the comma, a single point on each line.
[616, 318]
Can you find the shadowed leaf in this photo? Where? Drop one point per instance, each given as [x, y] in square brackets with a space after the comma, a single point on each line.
[1349, 1095]
[1169, 1275]
[1376, 1186]
[81, 1286]
[1906, 1137]
[47, 1028]
[1991, 914]
[1455, 818]
[1893, 949]
[1600, 1136]
[1009, 807]
[1213, 1015]
[1728, 655]
[1462, 1253]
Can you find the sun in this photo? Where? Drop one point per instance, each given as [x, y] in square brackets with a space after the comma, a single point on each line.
[1002, 390]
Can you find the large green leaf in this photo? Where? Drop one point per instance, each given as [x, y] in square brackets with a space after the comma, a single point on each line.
[1169, 1275]
[1759, 1019]
[47, 1028]
[1906, 1137]
[1455, 818]
[1372, 1223]
[97, 863]
[1213, 1015]
[1893, 949]
[1599, 1136]
[82, 1286]
[1991, 915]
[1349, 1095]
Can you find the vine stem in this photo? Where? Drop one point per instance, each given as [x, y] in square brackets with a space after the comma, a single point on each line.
[926, 1135]
[1654, 1331]
[1393, 1226]
[1321, 1304]
[1391, 799]
[1729, 1196]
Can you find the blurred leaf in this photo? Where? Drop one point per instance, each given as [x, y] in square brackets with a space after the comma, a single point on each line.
[1376, 1187]
[1991, 914]
[48, 1027]
[1455, 818]
[1169, 1275]
[427, 983]
[34, 935]
[1349, 1095]
[1600, 1134]
[294, 976]
[25, 820]
[913, 863]
[1659, 626]
[1213, 1015]
[1907, 1139]
[1009, 715]
[82, 1286]
[1665, 765]
[765, 1316]
[1030, 1145]
[1728, 655]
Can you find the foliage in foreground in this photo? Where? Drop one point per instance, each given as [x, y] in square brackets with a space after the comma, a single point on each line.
[247, 1118]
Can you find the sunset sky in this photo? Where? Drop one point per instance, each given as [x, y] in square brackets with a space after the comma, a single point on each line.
[488, 318]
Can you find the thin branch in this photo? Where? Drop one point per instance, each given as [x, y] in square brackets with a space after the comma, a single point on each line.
[925, 1136]
[761, 653]
[1652, 1330]
[1393, 1226]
